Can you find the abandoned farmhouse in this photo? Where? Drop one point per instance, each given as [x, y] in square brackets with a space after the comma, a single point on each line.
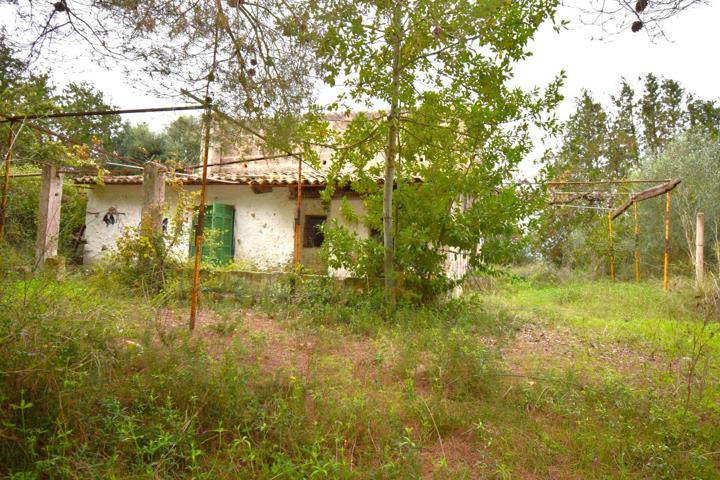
[251, 208]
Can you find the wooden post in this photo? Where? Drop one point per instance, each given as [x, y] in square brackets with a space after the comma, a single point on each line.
[200, 226]
[612, 250]
[48, 229]
[637, 245]
[153, 198]
[700, 248]
[6, 183]
[666, 260]
[298, 216]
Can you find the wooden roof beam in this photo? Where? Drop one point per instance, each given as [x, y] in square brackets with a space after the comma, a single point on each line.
[646, 195]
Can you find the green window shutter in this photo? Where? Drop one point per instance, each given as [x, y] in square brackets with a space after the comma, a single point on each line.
[220, 230]
[223, 221]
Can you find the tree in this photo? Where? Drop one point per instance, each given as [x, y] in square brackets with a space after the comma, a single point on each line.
[182, 140]
[451, 119]
[83, 97]
[674, 127]
[178, 143]
[704, 115]
[583, 154]
[139, 142]
[693, 156]
[662, 112]
[27, 92]
[24, 92]
[623, 150]
[254, 53]
[650, 115]
[10, 66]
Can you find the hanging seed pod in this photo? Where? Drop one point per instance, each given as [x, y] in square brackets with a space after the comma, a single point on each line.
[60, 6]
[253, 62]
[636, 26]
[251, 72]
[641, 5]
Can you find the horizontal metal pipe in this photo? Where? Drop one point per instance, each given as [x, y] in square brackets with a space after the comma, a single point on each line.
[91, 113]
[608, 182]
[581, 207]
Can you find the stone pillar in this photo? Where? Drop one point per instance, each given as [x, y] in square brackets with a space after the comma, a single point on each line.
[48, 229]
[700, 248]
[153, 198]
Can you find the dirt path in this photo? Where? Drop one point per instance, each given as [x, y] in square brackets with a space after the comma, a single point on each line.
[539, 348]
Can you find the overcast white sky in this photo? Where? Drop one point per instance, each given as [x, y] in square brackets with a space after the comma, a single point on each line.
[689, 57]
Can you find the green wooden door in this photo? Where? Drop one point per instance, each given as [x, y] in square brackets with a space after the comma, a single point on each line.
[219, 238]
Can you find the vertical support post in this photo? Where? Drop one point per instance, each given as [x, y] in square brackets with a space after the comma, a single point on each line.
[700, 248]
[666, 260]
[637, 244]
[6, 182]
[200, 226]
[153, 198]
[298, 216]
[612, 249]
[48, 229]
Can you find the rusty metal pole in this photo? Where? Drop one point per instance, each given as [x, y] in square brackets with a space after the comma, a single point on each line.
[637, 244]
[6, 182]
[612, 250]
[298, 216]
[667, 242]
[201, 219]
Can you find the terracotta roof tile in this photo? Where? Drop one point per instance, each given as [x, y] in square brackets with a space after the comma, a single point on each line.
[239, 178]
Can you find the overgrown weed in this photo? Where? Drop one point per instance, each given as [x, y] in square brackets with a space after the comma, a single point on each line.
[92, 385]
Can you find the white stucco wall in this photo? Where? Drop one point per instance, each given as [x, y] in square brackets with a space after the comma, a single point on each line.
[264, 222]
[101, 238]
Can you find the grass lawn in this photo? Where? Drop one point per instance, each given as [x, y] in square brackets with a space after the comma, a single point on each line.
[521, 379]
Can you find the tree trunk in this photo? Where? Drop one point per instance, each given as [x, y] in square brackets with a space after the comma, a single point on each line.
[390, 156]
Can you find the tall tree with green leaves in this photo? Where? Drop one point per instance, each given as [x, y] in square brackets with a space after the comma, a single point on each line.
[662, 112]
[704, 115]
[179, 142]
[583, 154]
[95, 129]
[140, 142]
[441, 70]
[623, 150]
[26, 92]
[182, 140]
[650, 114]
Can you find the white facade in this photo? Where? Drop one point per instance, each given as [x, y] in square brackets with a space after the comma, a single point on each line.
[264, 236]
[264, 227]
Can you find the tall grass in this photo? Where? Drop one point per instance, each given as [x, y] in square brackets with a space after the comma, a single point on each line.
[95, 382]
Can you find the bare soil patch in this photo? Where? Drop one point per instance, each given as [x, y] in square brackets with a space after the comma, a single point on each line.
[538, 347]
[457, 454]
